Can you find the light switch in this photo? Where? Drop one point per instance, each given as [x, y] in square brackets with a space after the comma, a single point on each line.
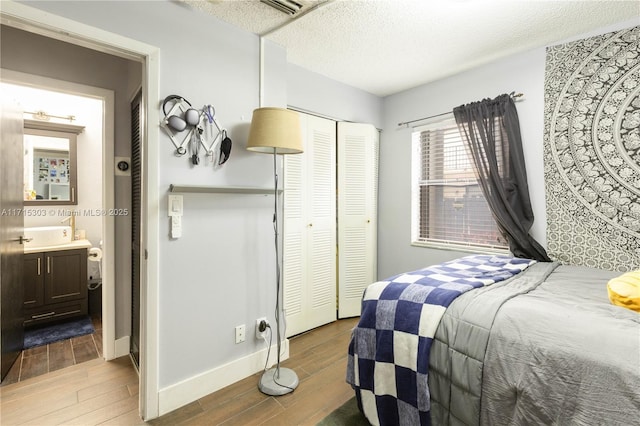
[175, 205]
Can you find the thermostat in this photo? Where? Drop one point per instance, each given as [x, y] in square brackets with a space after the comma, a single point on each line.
[123, 166]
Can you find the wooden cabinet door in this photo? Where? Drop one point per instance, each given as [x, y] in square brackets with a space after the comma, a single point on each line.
[66, 275]
[33, 280]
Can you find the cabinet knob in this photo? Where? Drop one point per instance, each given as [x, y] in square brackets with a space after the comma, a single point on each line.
[311, 224]
[368, 220]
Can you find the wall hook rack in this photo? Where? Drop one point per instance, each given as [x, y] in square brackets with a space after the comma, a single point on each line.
[190, 128]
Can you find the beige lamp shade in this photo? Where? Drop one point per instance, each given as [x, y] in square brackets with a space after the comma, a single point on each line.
[275, 130]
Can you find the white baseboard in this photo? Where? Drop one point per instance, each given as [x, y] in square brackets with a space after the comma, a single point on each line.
[122, 347]
[194, 388]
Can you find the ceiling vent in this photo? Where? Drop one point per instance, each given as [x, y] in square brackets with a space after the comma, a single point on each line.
[290, 7]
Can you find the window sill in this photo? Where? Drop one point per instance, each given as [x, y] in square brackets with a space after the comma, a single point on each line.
[462, 248]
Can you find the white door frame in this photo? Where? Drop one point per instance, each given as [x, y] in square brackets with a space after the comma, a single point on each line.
[53, 26]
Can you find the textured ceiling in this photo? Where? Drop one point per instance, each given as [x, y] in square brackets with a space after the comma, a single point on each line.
[387, 46]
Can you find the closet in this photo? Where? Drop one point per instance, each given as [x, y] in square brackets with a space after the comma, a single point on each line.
[357, 214]
[309, 228]
[329, 222]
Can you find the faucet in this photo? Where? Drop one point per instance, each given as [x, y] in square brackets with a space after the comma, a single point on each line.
[72, 224]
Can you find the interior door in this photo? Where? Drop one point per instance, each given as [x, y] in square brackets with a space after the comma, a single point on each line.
[357, 213]
[309, 234]
[11, 231]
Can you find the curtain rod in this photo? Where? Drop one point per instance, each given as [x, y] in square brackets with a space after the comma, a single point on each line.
[404, 123]
[306, 111]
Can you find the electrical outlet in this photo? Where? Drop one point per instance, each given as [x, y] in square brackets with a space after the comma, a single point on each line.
[240, 333]
[261, 328]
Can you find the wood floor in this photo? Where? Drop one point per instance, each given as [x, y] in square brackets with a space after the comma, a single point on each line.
[55, 356]
[98, 392]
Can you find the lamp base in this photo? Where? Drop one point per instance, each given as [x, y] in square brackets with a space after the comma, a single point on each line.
[276, 382]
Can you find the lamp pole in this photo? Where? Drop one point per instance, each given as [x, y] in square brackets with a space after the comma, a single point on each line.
[277, 381]
[276, 131]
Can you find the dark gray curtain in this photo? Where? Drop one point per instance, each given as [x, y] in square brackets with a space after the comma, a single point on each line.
[491, 131]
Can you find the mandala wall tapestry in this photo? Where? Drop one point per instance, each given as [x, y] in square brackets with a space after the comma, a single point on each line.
[592, 151]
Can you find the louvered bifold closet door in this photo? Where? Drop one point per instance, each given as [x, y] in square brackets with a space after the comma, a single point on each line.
[309, 229]
[357, 213]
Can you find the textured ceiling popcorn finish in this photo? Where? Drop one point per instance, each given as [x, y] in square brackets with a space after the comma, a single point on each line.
[387, 46]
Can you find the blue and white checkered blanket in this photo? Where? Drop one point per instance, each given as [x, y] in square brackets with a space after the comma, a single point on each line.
[389, 349]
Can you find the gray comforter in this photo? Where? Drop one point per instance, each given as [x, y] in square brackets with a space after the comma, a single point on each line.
[545, 347]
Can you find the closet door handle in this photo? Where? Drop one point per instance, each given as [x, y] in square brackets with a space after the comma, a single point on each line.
[48, 264]
[39, 266]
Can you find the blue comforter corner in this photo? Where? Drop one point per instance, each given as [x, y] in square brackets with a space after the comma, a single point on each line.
[389, 349]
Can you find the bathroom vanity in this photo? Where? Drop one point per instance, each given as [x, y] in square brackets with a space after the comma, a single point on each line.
[55, 282]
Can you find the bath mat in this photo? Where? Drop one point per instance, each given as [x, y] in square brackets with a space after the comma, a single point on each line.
[43, 335]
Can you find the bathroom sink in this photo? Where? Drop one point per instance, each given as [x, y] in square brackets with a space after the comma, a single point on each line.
[44, 236]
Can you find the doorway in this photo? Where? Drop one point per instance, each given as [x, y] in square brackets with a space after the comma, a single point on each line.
[116, 46]
[53, 104]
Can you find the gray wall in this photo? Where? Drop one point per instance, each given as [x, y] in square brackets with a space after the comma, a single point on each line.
[321, 95]
[520, 73]
[33, 54]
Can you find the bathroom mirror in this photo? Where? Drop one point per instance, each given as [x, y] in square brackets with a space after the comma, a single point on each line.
[50, 167]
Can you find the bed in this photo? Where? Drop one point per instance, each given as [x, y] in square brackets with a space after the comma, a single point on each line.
[540, 346]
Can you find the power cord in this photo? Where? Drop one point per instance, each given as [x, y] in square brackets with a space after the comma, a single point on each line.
[266, 362]
[266, 326]
[276, 372]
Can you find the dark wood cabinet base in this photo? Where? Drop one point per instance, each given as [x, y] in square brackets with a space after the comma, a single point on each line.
[55, 312]
[55, 286]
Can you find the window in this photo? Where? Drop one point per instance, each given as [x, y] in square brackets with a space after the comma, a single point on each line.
[449, 209]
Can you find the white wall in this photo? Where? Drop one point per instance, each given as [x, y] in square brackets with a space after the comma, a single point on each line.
[520, 73]
[318, 94]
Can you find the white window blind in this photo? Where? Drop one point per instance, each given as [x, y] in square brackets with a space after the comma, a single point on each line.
[449, 208]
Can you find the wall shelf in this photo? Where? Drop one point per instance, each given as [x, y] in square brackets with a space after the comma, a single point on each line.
[221, 189]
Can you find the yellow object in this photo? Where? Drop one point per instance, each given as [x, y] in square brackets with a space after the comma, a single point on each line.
[29, 194]
[625, 290]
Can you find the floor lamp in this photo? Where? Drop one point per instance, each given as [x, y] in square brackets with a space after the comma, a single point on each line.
[276, 131]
